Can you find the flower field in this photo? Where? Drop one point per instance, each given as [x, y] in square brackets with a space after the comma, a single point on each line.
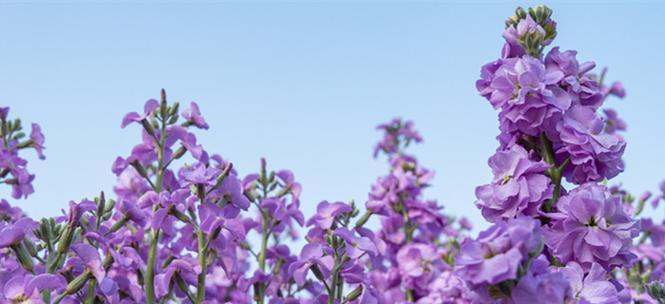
[184, 225]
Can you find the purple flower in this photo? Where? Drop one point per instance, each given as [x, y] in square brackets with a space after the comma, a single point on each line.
[16, 232]
[90, 258]
[185, 267]
[612, 122]
[499, 251]
[594, 154]
[311, 255]
[131, 117]
[232, 191]
[519, 186]
[578, 82]
[193, 116]
[590, 226]
[26, 289]
[199, 174]
[417, 263]
[541, 285]
[527, 93]
[515, 36]
[446, 288]
[396, 133]
[356, 246]
[9, 213]
[326, 213]
[593, 287]
[37, 139]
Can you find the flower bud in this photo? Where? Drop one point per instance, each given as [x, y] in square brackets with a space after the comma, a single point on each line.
[354, 294]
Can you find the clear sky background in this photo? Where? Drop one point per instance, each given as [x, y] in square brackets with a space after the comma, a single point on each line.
[302, 84]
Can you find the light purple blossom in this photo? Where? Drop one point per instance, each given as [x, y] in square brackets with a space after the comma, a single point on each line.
[499, 251]
[193, 116]
[519, 186]
[326, 213]
[590, 226]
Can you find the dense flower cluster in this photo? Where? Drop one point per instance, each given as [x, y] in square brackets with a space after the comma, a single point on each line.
[184, 226]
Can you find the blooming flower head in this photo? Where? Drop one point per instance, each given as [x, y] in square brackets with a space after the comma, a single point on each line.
[613, 123]
[541, 284]
[312, 255]
[193, 116]
[418, 262]
[37, 139]
[150, 106]
[528, 94]
[592, 287]
[397, 134]
[499, 251]
[200, 174]
[590, 226]
[326, 213]
[519, 186]
[594, 154]
[16, 232]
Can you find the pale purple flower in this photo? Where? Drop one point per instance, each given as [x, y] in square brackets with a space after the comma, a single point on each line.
[90, 258]
[13, 233]
[26, 289]
[193, 116]
[199, 174]
[519, 186]
[446, 288]
[232, 191]
[590, 226]
[612, 122]
[582, 88]
[499, 251]
[541, 284]
[527, 93]
[326, 213]
[37, 139]
[148, 108]
[311, 255]
[594, 287]
[356, 246]
[417, 263]
[594, 154]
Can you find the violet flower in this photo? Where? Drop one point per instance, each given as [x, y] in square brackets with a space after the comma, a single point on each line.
[590, 226]
[519, 186]
[311, 255]
[499, 251]
[326, 213]
[150, 106]
[193, 116]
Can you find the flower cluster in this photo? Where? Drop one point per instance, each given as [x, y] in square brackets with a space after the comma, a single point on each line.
[550, 129]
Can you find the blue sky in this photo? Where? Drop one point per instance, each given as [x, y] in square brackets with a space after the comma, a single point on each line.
[302, 84]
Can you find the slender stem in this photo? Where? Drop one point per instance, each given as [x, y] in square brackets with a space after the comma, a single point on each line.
[200, 288]
[90, 297]
[265, 236]
[150, 271]
[333, 287]
[555, 172]
[409, 296]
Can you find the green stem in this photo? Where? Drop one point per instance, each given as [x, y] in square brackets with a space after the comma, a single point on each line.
[150, 271]
[554, 172]
[259, 289]
[333, 287]
[409, 296]
[90, 297]
[200, 288]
